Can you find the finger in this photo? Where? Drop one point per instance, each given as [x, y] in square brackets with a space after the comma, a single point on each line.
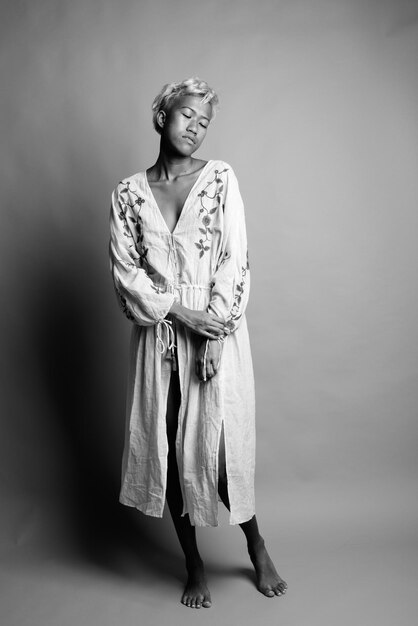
[217, 318]
[209, 335]
[209, 370]
[218, 329]
[214, 370]
[223, 328]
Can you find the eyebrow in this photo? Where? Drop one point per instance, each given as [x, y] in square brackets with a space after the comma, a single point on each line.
[194, 111]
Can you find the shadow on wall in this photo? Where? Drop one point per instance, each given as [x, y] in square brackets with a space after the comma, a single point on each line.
[77, 370]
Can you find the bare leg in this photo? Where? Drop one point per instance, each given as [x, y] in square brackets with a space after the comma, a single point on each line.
[268, 580]
[196, 592]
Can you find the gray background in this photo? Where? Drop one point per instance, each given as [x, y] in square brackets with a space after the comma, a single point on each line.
[319, 120]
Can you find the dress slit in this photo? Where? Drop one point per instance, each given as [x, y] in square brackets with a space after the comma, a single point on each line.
[221, 462]
[172, 424]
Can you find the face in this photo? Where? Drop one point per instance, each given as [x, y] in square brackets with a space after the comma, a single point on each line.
[184, 125]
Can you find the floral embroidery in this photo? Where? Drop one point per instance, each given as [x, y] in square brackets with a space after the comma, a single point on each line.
[235, 313]
[214, 187]
[137, 246]
[137, 220]
[223, 256]
[124, 306]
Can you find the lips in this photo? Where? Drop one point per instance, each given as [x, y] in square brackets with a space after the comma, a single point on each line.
[191, 139]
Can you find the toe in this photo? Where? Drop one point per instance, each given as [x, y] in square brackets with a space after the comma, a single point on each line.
[268, 591]
[206, 603]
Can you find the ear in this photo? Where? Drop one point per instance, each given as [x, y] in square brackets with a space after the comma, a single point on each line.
[161, 118]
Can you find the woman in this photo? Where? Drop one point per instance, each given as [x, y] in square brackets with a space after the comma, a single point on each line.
[178, 254]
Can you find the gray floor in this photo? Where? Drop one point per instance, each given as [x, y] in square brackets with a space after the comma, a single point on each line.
[338, 573]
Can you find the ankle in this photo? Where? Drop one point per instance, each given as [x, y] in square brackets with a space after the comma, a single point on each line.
[256, 544]
[194, 563]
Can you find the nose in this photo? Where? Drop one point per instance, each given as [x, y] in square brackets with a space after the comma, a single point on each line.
[192, 126]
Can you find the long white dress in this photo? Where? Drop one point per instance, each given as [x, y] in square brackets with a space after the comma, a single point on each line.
[202, 264]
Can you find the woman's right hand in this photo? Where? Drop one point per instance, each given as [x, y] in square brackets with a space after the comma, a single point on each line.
[200, 322]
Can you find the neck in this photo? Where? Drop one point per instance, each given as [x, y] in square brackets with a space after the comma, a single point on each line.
[170, 166]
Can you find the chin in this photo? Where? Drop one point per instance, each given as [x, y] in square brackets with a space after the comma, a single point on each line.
[186, 151]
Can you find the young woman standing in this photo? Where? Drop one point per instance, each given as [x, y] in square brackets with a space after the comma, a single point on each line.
[179, 262]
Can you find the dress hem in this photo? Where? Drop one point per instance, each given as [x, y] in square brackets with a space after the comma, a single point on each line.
[142, 509]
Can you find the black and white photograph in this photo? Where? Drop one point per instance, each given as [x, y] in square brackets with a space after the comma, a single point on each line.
[209, 278]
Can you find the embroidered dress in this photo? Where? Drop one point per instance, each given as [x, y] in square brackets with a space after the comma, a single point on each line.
[203, 265]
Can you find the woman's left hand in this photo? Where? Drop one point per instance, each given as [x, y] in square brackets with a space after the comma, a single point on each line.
[207, 368]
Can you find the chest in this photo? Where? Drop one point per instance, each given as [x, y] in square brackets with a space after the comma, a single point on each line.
[170, 198]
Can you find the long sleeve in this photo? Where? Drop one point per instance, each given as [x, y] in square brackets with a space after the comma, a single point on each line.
[139, 298]
[231, 280]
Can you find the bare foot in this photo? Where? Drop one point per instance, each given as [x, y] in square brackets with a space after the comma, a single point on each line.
[196, 593]
[268, 580]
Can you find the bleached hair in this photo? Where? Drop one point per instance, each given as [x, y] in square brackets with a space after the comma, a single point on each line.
[188, 87]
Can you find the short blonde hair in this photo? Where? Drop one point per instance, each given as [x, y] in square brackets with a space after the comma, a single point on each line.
[188, 87]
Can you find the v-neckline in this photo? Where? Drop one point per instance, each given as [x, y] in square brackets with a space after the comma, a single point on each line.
[147, 185]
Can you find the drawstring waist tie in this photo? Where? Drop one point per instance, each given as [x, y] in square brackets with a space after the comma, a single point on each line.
[166, 326]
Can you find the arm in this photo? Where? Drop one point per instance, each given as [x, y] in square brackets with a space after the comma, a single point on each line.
[201, 322]
[139, 298]
[231, 280]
